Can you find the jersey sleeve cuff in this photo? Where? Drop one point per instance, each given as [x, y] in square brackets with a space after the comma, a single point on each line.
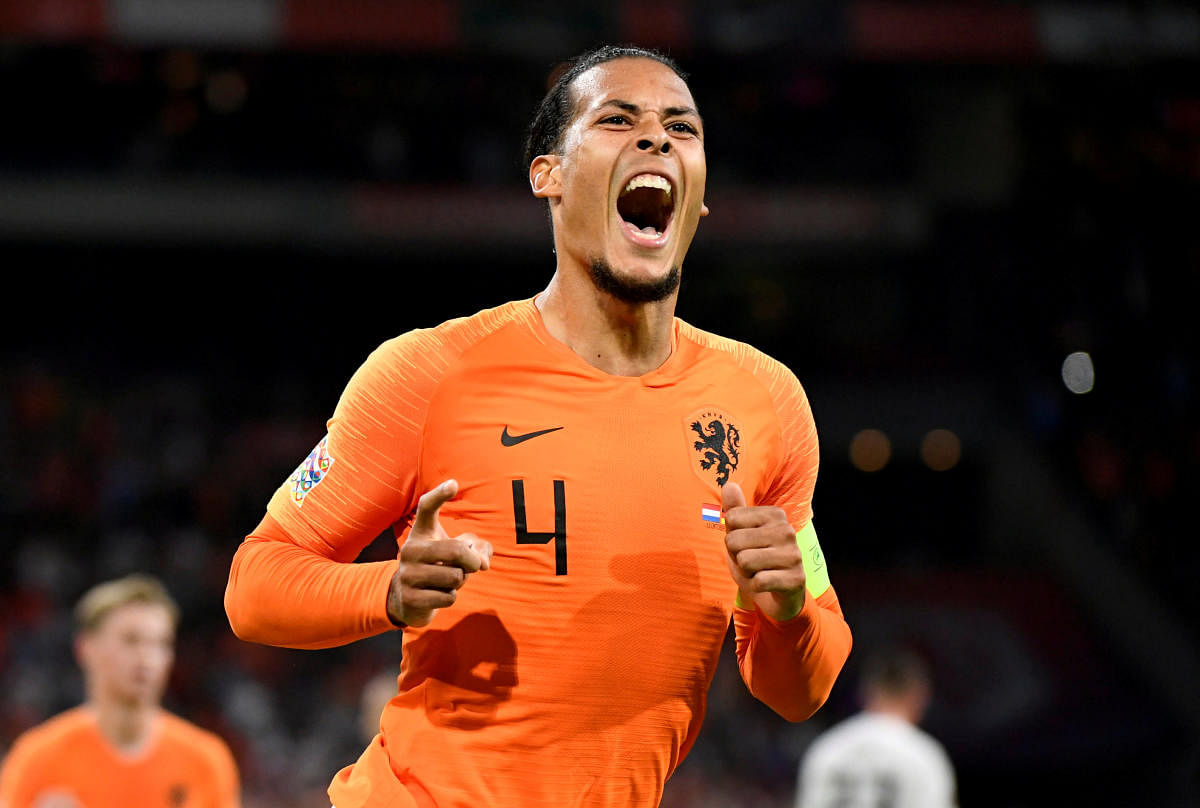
[802, 618]
[380, 616]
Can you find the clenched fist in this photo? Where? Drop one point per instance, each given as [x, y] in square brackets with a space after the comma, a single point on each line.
[764, 558]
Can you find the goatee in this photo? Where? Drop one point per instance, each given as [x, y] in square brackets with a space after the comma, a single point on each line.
[628, 290]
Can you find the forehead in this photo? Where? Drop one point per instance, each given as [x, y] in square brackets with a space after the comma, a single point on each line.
[138, 616]
[645, 82]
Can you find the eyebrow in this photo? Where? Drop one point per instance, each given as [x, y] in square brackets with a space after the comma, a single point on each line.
[634, 109]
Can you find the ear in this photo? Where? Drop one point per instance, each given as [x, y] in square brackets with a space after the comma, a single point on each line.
[544, 174]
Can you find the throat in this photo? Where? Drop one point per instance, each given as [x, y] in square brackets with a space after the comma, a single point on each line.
[621, 363]
[615, 338]
[128, 729]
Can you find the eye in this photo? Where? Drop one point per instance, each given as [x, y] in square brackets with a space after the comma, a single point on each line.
[620, 120]
[683, 127]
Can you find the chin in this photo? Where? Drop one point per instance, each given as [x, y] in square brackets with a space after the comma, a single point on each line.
[635, 284]
[142, 696]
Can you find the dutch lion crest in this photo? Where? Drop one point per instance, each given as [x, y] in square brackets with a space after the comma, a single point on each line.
[716, 442]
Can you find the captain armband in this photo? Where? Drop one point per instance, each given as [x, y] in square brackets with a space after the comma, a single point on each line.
[816, 572]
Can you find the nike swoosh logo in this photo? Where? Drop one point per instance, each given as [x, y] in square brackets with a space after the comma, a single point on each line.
[513, 440]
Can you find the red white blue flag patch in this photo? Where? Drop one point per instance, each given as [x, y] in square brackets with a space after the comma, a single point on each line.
[712, 516]
[308, 475]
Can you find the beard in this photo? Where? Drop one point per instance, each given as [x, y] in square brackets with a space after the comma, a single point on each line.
[628, 290]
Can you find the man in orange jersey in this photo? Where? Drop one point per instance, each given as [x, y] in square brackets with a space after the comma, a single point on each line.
[120, 747]
[585, 490]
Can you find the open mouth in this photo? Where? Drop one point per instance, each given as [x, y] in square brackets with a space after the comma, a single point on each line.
[646, 205]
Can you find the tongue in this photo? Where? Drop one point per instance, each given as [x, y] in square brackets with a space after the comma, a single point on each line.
[649, 230]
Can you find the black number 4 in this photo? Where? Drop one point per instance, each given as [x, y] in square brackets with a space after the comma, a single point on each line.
[559, 536]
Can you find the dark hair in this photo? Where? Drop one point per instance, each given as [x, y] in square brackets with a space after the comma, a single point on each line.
[555, 111]
[894, 670]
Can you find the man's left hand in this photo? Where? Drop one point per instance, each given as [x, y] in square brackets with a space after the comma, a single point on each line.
[764, 558]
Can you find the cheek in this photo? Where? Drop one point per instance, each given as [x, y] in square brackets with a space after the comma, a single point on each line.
[130, 662]
[586, 177]
[699, 181]
[159, 658]
[585, 208]
[690, 216]
[579, 193]
[118, 668]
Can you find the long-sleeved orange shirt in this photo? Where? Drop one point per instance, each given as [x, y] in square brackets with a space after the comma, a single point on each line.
[67, 761]
[574, 671]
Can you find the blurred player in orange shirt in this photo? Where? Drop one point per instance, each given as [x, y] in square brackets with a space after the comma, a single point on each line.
[120, 748]
[585, 490]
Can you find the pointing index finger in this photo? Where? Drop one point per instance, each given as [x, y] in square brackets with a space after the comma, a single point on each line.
[426, 520]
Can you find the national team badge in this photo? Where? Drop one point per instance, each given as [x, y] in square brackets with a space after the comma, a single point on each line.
[308, 475]
[711, 515]
[715, 444]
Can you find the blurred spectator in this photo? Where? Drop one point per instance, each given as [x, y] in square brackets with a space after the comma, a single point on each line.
[880, 757]
[378, 691]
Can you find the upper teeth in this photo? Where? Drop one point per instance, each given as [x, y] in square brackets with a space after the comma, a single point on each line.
[649, 181]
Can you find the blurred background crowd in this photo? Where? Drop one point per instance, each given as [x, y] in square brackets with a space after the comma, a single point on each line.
[969, 228]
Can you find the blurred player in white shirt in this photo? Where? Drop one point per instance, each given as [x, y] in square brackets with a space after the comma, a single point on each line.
[879, 758]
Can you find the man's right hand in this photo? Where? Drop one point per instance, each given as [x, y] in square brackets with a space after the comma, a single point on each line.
[432, 564]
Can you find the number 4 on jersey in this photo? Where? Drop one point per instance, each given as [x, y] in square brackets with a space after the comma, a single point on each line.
[559, 536]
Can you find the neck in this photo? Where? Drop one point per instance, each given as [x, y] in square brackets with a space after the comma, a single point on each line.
[622, 339]
[126, 726]
[907, 709]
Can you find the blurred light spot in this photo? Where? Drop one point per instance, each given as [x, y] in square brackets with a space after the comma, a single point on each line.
[225, 92]
[870, 450]
[941, 449]
[1078, 374]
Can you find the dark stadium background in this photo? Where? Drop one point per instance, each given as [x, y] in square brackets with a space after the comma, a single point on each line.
[211, 212]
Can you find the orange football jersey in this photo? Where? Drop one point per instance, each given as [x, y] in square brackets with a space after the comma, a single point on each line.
[574, 671]
[67, 761]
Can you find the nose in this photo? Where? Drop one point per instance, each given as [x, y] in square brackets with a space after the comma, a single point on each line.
[657, 141]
